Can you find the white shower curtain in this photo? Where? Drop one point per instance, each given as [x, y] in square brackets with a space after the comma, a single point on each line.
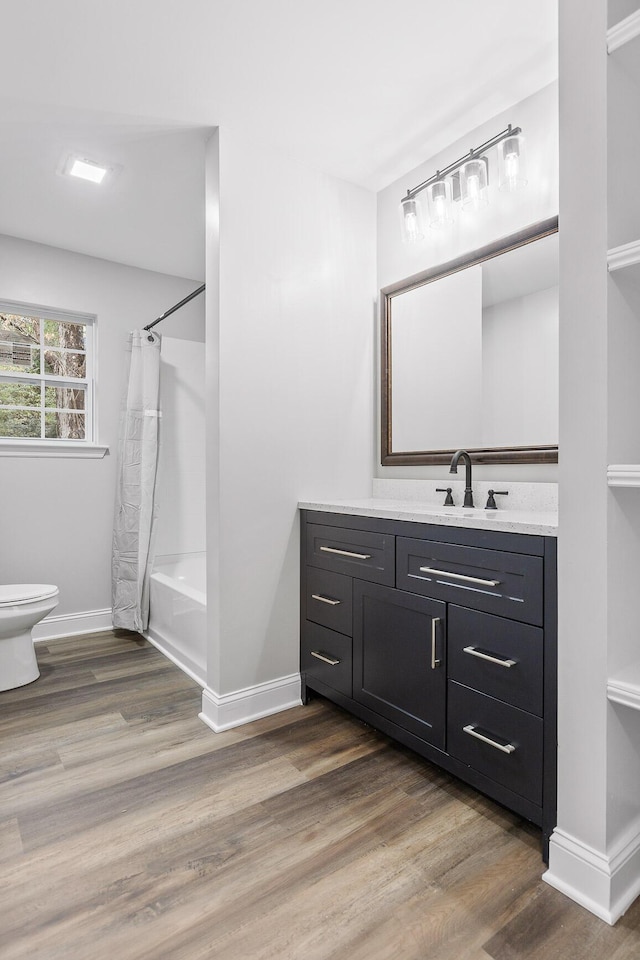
[135, 509]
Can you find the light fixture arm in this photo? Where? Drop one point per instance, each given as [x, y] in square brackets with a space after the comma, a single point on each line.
[475, 152]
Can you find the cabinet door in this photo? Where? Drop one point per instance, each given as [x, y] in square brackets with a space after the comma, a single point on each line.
[399, 649]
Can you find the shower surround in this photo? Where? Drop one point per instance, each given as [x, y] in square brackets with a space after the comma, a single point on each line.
[177, 622]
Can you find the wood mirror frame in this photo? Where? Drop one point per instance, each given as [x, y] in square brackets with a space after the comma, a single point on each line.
[515, 454]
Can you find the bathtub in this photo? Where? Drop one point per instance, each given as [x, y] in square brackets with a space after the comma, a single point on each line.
[178, 608]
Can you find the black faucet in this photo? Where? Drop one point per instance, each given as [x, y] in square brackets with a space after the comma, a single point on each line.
[468, 492]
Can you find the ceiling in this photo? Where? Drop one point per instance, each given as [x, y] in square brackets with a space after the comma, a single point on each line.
[361, 89]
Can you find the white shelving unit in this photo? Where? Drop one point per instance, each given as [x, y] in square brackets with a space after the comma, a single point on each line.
[623, 309]
[626, 255]
[626, 689]
[623, 32]
[623, 475]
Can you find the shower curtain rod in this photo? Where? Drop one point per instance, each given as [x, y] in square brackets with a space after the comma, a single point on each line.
[175, 307]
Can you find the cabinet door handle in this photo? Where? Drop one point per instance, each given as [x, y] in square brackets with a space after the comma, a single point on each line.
[504, 747]
[325, 659]
[347, 553]
[459, 576]
[474, 652]
[434, 630]
[318, 596]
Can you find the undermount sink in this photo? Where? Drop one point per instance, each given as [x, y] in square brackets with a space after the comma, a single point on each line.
[462, 512]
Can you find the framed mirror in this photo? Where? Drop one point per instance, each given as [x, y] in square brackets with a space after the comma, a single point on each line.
[470, 356]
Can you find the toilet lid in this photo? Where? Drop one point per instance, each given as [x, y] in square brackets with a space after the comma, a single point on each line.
[11, 593]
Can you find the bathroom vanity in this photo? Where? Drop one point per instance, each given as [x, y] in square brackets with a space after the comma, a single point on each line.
[440, 631]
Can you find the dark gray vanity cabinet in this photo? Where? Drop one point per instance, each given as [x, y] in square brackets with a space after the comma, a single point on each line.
[445, 639]
[398, 658]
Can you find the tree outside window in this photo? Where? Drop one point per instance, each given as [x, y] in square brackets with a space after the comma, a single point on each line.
[45, 387]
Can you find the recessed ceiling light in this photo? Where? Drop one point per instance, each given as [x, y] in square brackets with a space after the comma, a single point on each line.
[75, 165]
[85, 169]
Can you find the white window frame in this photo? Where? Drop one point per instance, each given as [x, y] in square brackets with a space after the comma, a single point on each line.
[37, 446]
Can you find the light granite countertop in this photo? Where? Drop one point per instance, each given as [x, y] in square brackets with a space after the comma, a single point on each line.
[535, 522]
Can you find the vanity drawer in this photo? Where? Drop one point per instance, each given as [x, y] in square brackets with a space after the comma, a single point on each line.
[326, 656]
[518, 765]
[356, 553]
[328, 599]
[493, 581]
[499, 657]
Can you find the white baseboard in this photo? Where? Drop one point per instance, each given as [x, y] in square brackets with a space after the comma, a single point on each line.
[606, 885]
[187, 665]
[224, 711]
[71, 624]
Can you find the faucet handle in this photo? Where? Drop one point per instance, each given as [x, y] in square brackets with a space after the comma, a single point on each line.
[491, 503]
[448, 500]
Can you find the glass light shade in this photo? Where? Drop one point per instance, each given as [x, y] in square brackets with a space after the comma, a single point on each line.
[473, 183]
[412, 220]
[512, 173]
[439, 203]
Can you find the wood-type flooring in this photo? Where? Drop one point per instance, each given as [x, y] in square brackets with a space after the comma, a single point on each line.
[130, 831]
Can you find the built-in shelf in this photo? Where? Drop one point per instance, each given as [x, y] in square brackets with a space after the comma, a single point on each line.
[623, 475]
[625, 255]
[625, 689]
[624, 31]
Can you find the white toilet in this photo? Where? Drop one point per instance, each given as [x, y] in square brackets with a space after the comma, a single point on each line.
[22, 605]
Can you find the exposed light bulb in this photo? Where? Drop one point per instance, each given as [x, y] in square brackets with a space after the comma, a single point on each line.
[511, 164]
[473, 183]
[411, 226]
[412, 223]
[439, 203]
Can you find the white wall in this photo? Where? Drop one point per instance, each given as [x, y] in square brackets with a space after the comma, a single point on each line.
[582, 547]
[58, 513]
[295, 366]
[181, 463]
[506, 213]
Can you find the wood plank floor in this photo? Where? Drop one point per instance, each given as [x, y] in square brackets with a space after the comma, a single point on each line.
[130, 831]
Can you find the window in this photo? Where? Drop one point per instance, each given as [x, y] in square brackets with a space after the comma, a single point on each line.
[46, 375]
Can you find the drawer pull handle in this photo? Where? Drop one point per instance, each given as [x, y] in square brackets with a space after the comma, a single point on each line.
[434, 629]
[487, 656]
[347, 553]
[459, 576]
[318, 596]
[325, 659]
[504, 747]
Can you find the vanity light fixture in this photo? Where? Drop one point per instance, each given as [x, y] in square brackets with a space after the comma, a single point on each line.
[465, 180]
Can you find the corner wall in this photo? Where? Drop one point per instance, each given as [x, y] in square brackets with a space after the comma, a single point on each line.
[295, 368]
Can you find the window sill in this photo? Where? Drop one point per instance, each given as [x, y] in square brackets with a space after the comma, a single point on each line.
[52, 448]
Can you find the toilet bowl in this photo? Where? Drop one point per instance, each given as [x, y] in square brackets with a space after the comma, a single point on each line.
[22, 605]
